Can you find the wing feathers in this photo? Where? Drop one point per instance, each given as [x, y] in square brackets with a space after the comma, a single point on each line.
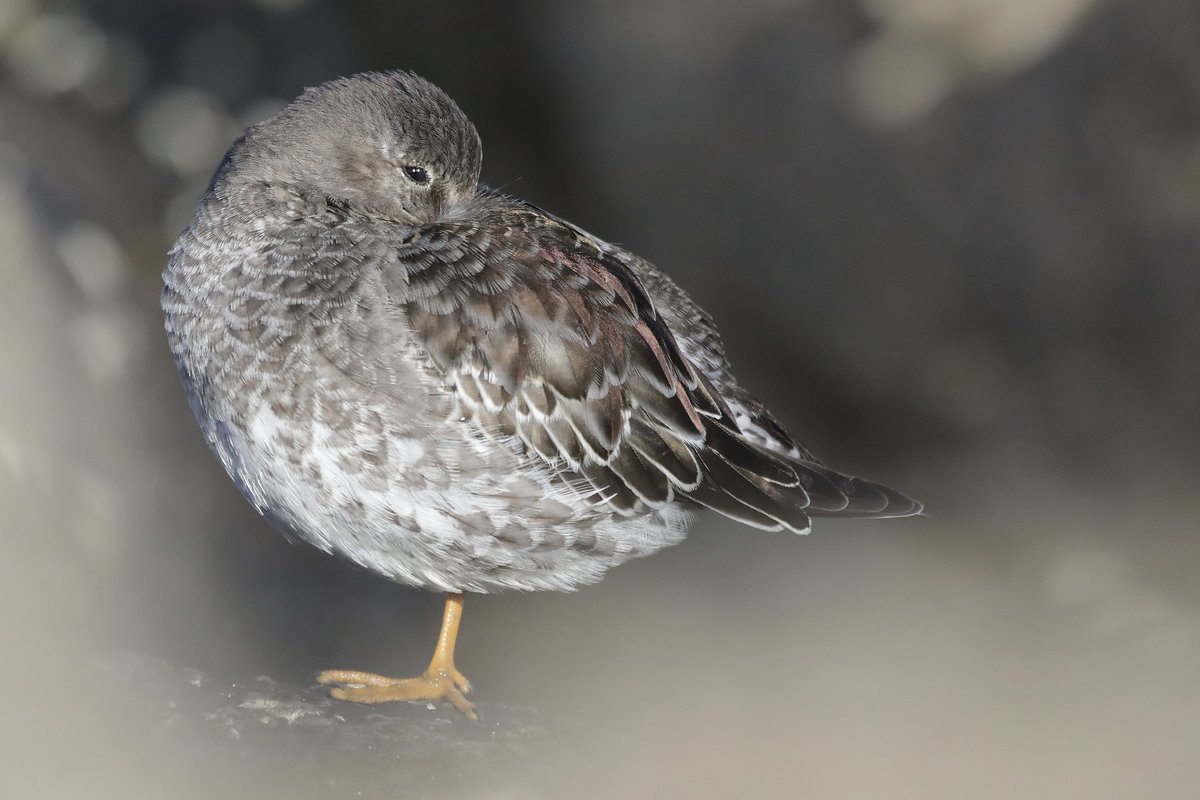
[784, 505]
[550, 336]
[667, 453]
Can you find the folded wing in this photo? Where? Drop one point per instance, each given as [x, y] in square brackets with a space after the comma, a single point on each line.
[548, 335]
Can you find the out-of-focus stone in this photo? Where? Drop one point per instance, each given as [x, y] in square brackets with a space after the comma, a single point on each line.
[264, 733]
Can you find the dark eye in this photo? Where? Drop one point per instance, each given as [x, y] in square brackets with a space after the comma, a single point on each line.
[417, 174]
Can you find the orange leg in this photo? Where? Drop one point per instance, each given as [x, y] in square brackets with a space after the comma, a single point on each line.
[442, 681]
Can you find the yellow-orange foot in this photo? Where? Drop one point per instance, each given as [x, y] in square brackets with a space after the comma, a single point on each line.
[442, 682]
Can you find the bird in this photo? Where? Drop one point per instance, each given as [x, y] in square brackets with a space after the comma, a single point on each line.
[450, 386]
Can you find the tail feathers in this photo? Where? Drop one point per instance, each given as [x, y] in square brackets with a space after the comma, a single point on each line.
[732, 487]
[867, 499]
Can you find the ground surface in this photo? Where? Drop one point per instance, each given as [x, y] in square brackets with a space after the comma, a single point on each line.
[270, 738]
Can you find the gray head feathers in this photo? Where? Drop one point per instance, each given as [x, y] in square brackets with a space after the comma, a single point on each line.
[389, 143]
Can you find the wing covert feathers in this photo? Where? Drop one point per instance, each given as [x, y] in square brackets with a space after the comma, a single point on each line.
[551, 336]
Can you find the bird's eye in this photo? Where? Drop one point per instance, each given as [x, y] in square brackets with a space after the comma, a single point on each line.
[417, 174]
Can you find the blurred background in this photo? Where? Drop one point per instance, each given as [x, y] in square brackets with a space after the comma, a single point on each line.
[952, 243]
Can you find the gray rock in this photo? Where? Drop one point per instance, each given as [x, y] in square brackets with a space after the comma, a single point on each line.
[269, 738]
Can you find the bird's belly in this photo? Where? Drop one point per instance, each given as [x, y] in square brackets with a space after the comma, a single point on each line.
[430, 506]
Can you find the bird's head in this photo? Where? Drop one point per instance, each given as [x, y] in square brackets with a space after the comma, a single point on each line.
[390, 144]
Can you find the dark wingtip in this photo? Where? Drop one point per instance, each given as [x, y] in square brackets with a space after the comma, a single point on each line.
[868, 499]
[898, 505]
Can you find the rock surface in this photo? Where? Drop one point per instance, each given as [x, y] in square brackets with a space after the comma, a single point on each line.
[269, 738]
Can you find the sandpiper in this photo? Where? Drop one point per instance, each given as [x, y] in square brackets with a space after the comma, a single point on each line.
[453, 387]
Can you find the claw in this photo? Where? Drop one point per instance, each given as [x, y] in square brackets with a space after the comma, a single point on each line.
[442, 681]
[367, 687]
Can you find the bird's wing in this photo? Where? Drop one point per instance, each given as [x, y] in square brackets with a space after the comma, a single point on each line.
[701, 343]
[548, 336]
[698, 337]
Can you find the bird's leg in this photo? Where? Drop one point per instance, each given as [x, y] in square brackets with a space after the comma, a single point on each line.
[442, 681]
